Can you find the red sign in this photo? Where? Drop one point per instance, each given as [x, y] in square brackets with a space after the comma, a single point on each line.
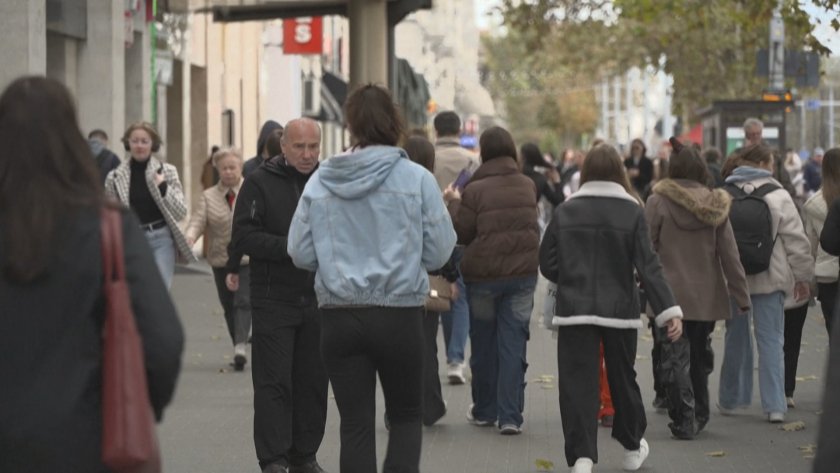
[303, 35]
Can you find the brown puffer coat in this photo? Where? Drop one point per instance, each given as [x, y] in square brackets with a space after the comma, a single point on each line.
[497, 222]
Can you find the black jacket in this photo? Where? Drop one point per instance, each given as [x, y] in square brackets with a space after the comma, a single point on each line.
[261, 220]
[641, 182]
[50, 341]
[593, 243]
[552, 192]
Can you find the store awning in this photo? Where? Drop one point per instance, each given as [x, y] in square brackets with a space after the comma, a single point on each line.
[252, 10]
[333, 95]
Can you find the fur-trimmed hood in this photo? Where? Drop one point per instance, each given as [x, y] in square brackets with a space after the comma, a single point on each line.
[693, 205]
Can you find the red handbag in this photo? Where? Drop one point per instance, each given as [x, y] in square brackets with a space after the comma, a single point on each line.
[129, 443]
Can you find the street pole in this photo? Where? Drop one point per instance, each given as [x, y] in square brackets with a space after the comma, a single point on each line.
[777, 50]
[831, 117]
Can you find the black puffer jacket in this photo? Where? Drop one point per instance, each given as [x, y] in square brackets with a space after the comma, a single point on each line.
[590, 249]
[261, 219]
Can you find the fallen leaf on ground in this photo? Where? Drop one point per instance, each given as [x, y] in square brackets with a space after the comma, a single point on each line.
[545, 379]
[642, 357]
[544, 465]
[547, 386]
[646, 338]
[717, 454]
[810, 377]
[222, 370]
[793, 426]
[215, 338]
[808, 449]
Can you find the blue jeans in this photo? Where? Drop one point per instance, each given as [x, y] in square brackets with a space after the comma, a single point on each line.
[456, 322]
[736, 373]
[163, 247]
[500, 313]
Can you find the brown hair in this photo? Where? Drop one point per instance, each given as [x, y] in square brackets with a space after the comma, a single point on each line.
[753, 155]
[372, 117]
[148, 128]
[831, 175]
[421, 151]
[46, 174]
[687, 164]
[496, 142]
[224, 153]
[603, 163]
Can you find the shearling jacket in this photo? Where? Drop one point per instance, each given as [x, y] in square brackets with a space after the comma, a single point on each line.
[690, 230]
[496, 220]
[591, 247]
[172, 205]
[451, 159]
[212, 218]
[791, 261]
[814, 213]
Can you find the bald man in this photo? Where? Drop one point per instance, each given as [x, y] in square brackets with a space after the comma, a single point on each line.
[290, 382]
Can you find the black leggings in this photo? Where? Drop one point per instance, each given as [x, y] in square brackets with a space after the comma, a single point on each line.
[358, 343]
[794, 321]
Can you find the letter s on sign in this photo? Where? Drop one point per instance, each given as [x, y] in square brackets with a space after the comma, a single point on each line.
[303, 31]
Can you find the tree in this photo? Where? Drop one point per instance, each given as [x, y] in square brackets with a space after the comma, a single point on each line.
[708, 46]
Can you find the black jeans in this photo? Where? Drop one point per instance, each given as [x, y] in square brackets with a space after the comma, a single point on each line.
[433, 406]
[290, 383]
[699, 335]
[358, 343]
[794, 321]
[827, 295]
[236, 305]
[578, 356]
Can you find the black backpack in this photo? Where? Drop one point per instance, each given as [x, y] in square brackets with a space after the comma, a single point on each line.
[752, 224]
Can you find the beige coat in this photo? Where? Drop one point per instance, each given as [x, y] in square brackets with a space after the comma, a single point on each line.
[814, 213]
[690, 229]
[451, 159]
[791, 261]
[212, 218]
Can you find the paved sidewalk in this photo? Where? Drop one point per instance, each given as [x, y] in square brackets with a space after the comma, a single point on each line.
[208, 428]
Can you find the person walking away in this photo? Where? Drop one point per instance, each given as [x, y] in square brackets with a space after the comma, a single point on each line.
[548, 184]
[153, 190]
[595, 241]
[371, 278]
[51, 294]
[781, 265]
[815, 213]
[421, 151]
[212, 218]
[290, 382]
[688, 222]
[262, 153]
[106, 160]
[450, 160]
[496, 221]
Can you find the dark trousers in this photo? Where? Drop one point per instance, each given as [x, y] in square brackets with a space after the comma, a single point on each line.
[358, 343]
[236, 305]
[433, 406]
[794, 322]
[577, 362]
[699, 335]
[827, 295]
[290, 383]
[656, 361]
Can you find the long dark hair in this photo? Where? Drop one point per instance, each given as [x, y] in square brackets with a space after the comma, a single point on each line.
[603, 163]
[372, 117]
[531, 155]
[46, 172]
[688, 164]
[831, 175]
[421, 151]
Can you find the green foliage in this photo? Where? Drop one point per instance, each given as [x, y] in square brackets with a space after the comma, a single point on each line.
[558, 49]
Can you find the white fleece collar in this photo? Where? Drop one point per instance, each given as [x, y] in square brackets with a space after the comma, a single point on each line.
[603, 189]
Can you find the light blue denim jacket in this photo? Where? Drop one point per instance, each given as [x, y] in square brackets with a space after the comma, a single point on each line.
[371, 224]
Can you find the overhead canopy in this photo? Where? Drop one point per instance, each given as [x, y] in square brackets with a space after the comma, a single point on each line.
[250, 10]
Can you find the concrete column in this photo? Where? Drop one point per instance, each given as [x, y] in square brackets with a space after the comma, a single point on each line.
[368, 42]
[23, 29]
[138, 81]
[102, 68]
[63, 60]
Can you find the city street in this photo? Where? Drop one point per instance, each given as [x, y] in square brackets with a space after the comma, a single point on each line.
[208, 427]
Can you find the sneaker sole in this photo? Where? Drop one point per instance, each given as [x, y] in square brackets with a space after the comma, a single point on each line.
[456, 380]
[239, 362]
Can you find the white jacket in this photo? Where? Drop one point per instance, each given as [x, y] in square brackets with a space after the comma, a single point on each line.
[814, 213]
[791, 261]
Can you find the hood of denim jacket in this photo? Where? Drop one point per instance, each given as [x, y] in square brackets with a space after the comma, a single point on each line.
[357, 174]
[746, 174]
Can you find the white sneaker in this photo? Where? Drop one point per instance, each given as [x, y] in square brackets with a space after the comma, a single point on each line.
[455, 373]
[633, 459]
[240, 356]
[583, 465]
[776, 417]
[790, 403]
